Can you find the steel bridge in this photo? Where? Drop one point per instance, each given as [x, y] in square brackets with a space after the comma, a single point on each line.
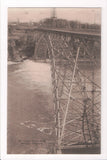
[76, 94]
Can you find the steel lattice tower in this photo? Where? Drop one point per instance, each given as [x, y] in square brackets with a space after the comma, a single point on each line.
[76, 95]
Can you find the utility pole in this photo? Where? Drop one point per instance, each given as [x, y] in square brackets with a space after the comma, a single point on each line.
[53, 17]
[53, 13]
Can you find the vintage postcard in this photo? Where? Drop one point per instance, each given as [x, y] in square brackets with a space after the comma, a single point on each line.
[53, 73]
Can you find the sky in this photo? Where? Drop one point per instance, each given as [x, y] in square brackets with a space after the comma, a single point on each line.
[85, 15]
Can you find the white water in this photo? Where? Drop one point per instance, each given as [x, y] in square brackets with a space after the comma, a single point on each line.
[34, 75]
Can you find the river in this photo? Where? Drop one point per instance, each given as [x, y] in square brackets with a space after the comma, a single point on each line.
[30, 108]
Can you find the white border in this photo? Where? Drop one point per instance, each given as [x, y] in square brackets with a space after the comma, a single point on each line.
[3, 73]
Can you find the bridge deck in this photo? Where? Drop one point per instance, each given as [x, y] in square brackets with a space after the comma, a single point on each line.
[62, 31]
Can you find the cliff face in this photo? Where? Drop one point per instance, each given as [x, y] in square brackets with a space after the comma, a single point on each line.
[14, 52]
[20, 48]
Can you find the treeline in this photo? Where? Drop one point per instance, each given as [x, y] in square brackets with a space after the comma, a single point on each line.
[65, 24]
[58, 23]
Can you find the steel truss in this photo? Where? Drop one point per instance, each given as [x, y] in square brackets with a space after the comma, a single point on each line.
[76, 94]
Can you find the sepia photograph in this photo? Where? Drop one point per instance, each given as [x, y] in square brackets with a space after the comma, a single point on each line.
[54, 80]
